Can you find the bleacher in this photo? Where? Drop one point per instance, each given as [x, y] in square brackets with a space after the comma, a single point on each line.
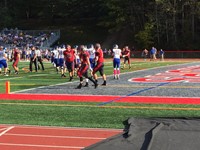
[23, 38]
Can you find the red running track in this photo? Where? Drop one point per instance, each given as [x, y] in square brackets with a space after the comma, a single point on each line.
[101, 98]
[50, 138]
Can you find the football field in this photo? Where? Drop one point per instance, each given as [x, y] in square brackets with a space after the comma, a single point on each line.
[43, 107]
[148, 89]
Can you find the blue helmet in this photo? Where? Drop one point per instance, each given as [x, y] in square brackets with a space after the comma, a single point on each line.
[90, 46]
[75, 46]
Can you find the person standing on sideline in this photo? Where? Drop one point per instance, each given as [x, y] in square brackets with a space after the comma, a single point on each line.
[145, 54]
[153, 52]
[85, 65]
[126, 55]
[39, 58]
[16, 59]
[116, 61]
[69, 56]
[99, 64]
[3, 61]
[161, 53]
[33, 59]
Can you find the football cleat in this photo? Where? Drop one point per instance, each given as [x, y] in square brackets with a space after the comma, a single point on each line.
[79, 86]
[86, 85]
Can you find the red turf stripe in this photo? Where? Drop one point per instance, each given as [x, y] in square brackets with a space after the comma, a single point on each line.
[89, 98]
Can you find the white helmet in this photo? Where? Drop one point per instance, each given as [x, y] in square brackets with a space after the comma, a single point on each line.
[115, 46]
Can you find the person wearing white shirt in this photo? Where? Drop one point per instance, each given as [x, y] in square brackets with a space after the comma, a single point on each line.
[61, 60]
[3, 61]
[91, 51]
[56, 59]
[39, 58]
[33, 59]
[116, 61]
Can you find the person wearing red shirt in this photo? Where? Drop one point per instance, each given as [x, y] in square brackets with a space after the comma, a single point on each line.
[85, 65]
[69, 56]
[126, 55]
[99, 63]
[16, 59]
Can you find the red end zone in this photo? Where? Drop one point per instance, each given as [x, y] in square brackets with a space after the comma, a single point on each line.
[102, 98]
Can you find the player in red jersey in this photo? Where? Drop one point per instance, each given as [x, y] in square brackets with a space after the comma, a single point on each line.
[69, 56]
[126, 55]
[85, 65]
[99, 63]
[16, 59]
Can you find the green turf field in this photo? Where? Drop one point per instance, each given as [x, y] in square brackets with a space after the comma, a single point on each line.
[74, 114]
[71, 114]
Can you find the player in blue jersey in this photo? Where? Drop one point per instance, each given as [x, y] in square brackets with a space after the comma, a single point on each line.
[161, 54]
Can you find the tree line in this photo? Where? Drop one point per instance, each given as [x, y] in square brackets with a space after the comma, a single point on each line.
[170, 24]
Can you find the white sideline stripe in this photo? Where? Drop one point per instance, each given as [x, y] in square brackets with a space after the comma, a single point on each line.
[38, 75]
[45, 86]
[11, 78]
[50, 136]
[23, 77]
[4, 132]
[47, 146]
[148, 76]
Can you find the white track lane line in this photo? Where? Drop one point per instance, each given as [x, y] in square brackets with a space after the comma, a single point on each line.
[4, 132]
[51, 136]
[2, 129]
[43, 146]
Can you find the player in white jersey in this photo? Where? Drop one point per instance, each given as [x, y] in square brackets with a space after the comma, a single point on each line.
[91, 51]
[3, 61]
[56, 59]
[77, 61]
[116, 61]
[61, 60]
